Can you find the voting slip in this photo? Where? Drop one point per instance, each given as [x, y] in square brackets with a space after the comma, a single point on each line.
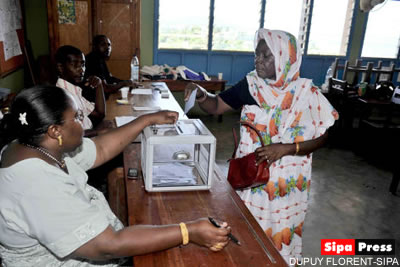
[190, 103]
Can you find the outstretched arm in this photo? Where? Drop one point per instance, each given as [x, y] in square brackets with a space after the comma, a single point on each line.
[142, 239]
[112, 143]
[210, 103]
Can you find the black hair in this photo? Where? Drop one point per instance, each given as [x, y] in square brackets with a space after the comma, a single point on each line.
[97, 39]
[41, 107]
[63, 53]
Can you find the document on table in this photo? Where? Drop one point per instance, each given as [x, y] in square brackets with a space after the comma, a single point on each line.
[142, 91]
[122, 120]
[155, 108]
[190, 103]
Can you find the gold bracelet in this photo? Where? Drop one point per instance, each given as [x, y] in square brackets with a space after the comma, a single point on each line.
[185, 233]
[297, 148]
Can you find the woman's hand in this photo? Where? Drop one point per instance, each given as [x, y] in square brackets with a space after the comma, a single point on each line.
[163, 117]
[273, 152]
[203, 233]
[190, 88]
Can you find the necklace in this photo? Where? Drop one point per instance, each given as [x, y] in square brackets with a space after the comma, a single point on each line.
[47, 154]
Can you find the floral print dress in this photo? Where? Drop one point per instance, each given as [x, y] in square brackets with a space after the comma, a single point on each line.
[290, 110]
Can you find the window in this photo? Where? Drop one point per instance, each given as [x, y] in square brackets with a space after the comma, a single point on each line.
[183, 24]
[382, 33]
[235, 24]
[289, 20]
[330, 27]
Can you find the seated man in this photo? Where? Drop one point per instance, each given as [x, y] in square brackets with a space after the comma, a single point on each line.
[71, 69]
[96, 65]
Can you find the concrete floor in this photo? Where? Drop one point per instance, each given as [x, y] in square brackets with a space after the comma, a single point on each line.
[349, 197]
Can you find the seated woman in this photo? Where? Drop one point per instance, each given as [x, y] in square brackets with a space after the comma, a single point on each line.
[49, 215]
[293, 118]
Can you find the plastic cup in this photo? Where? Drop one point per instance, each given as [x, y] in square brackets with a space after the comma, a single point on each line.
[220, 76]
[124, 92]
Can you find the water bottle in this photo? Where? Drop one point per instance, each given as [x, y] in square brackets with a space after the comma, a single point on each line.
[135, 69]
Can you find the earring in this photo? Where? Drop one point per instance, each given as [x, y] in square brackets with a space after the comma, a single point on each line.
[59, 140]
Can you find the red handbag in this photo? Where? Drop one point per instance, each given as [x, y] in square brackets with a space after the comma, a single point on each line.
[243, 172]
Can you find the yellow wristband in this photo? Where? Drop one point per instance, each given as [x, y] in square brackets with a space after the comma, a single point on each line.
[185, 233]
[297, 148]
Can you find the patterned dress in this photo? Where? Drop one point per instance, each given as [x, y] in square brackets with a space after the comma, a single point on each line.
[290, 110]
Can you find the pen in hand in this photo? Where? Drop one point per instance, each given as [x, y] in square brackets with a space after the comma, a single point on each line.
[232, 237]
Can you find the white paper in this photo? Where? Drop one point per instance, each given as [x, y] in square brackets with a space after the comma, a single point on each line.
[11, 45]
[185, 128]
[122, 120]
[190, 103]
[173, 174]
[147, 108]
[142, 91]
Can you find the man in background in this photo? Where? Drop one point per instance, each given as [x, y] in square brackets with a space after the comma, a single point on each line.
[96, 65]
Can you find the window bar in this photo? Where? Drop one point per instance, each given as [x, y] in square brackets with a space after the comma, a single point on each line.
[211, 25]
[262, 15]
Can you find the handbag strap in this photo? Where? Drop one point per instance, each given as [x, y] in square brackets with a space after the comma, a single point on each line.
[245, 123]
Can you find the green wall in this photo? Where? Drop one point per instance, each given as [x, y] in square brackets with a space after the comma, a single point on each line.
[146, 32]
[13, 81]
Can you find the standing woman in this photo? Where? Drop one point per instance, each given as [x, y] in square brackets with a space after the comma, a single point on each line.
[49, 215]
[293, 118]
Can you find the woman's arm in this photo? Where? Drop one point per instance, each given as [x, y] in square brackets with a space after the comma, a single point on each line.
[210, 103]
[274, 152]
[142, 239]
[114, 141]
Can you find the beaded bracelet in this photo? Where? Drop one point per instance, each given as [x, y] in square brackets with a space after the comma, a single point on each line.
[185, 233]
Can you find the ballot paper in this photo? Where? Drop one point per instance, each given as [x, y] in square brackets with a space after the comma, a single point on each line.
[169, 174]
[142, 91]
[190, 103]
[122, 120]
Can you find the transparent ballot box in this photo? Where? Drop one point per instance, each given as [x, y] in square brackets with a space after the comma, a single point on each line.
[178, 157]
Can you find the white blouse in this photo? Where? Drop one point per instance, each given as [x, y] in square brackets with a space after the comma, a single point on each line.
[46, 214]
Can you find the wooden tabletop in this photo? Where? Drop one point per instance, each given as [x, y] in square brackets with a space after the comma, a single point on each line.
[221, 202]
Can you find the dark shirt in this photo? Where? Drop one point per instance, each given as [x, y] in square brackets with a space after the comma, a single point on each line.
[238, 95]
[96, 65]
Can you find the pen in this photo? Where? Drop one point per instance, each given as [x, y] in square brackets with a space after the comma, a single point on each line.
[232, 237]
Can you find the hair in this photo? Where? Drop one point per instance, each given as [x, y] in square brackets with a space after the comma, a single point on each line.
[63, 53]
[43, 106]
[97, 39]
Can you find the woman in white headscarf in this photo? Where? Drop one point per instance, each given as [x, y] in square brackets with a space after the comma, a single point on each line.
[293, 118]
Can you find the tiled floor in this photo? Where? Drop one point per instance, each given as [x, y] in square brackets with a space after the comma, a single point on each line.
[349, 197]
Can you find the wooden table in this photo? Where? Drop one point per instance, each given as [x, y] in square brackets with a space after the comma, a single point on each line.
[220, 202]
